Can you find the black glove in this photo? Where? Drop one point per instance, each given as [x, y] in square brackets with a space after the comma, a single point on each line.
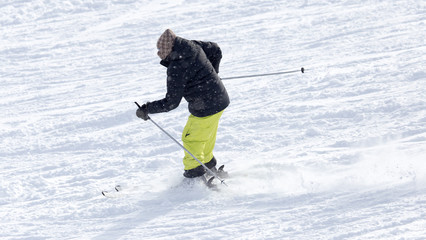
[142, 112]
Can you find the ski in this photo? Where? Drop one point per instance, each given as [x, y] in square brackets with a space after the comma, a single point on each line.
[209, 183]
[222, 173]
[207, 180]
[113, 194]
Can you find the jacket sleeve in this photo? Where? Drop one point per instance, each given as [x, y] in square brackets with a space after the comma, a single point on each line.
[213, 53]
[175, 89]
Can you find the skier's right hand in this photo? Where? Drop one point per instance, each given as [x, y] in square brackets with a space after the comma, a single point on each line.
[142, 112]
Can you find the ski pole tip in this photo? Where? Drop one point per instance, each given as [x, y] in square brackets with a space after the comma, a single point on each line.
[223, 182]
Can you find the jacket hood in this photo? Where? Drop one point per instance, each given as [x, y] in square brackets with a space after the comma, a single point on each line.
[181, 49]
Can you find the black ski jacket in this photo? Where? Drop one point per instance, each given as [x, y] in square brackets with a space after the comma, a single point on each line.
[192, 73]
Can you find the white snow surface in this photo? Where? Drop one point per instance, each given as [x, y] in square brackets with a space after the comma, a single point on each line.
[335, 153]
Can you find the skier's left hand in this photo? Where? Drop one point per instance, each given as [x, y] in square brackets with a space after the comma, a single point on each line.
[142, 112]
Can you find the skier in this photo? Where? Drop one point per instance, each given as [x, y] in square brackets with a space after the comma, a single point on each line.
[192, 73]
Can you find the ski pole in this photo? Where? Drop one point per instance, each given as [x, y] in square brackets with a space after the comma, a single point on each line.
[265, 74]
[192, 155]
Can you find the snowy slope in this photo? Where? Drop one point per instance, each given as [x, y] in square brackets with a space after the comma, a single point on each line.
[335, 153]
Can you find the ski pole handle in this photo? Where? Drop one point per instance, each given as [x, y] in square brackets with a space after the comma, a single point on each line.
[139, 106]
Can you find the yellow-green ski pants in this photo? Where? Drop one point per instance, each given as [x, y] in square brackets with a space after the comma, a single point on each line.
[199, 137]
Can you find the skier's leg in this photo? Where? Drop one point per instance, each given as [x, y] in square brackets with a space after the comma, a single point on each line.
[199, 137]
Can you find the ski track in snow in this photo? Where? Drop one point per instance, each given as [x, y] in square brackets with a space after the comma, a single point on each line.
[335, 153]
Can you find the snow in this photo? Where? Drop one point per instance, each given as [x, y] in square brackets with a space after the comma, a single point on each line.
[335, 153]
